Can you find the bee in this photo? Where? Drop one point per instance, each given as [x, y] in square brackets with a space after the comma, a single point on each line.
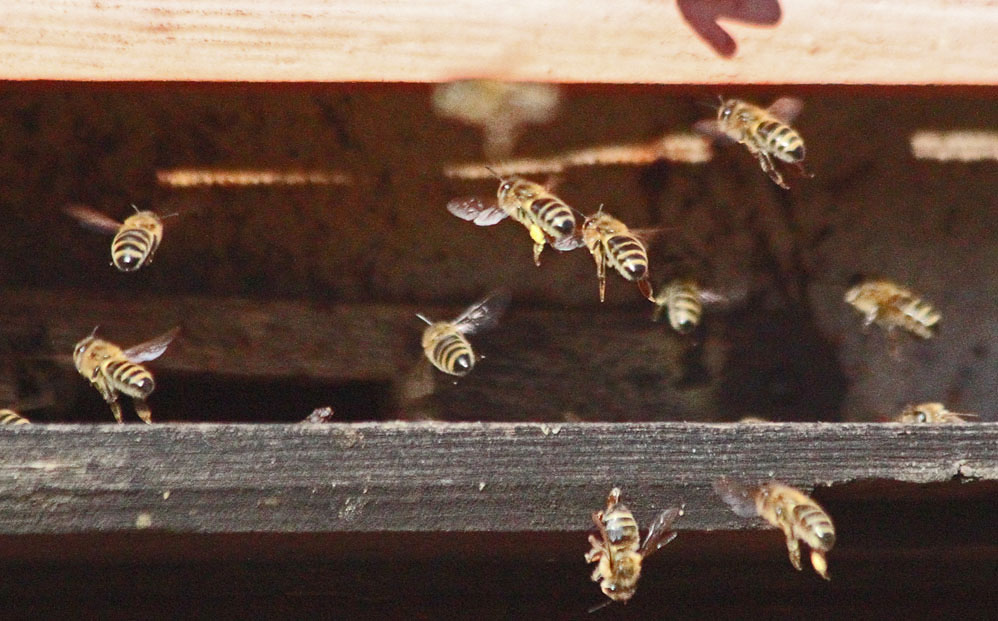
[766, 132]
[617, 551]
[932, 413]
[796, 514]
[319, 415]
[546, 217]
[683, 301]
[444, 342]
[10, 417]
[893, 306]
[612, 243]
[135, 240]
[113, 371]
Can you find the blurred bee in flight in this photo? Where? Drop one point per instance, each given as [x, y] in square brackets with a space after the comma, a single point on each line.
[135, 240]
[766, 132]
[792, 511]
[445, 343]
[613, 244]
[683, 301]
[932, 413]
[546, 217]
[114, 372]
[617, 551]
[892, 306]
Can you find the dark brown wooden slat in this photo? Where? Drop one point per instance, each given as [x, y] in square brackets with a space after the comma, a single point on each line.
[440, 477]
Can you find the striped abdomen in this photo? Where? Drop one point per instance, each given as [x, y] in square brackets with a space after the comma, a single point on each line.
[10, 417]
[779, 140]
[128, 377]
[813, 526]
[552, 215]
[684, 306]
[627, 254]
[919, 317]
[621, 529]
[448, 350]
[136, 241]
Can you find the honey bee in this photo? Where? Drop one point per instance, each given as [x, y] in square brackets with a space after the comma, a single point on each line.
[932, 413]
[893, 306]
[135, 240]
[683, 301]
[617, 551]
[444, 342]
[546, 217]
[10, 417]
[612, 243]
[113, 371]
[764, 131]
[319, 415]
[797, 515]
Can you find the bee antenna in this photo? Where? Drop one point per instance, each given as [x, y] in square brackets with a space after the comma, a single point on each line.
[170, 215]
[600, 606]
[494, 173]
[135, 208]
[709, 105]
[423, 317]
[94, 331]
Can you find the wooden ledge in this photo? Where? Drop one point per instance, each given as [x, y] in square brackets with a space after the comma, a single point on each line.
[434, 477]
[630, 41]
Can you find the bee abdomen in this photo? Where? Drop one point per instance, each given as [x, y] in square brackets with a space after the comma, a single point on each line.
[921, 317]
[554, 215]
[621, 528]
[684, 308]
[818, 529]
[630, 256]
[131, 379]
[782, 141]
[132, 247]
[452, 354]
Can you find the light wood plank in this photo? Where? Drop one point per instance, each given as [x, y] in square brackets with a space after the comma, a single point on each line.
[653, 41]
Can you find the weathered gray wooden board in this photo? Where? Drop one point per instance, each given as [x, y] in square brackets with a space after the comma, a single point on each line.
[420, 477]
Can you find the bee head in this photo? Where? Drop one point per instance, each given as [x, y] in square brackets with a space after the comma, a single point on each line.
[617, 592]
[726, 109]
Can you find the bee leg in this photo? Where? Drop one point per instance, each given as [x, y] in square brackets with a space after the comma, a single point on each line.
[600, 272]
[116, 410]
[644, 286]
[597, 552]
[143, 410]
[537, 235]
[597, 573]
[109, 395]
[793, 547]
[770, 169]
[804, 172]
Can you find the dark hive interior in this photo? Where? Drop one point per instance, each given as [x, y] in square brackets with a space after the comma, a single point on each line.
[787, 348]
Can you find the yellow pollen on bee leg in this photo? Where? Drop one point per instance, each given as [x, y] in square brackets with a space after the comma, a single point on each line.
[820, 564]
[537, 234]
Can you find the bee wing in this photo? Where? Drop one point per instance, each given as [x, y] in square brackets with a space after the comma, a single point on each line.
[660, 533]
[91, 218]
[484, 313]
[477, 210]
[786, 108]
[153, 348]
[740, 498]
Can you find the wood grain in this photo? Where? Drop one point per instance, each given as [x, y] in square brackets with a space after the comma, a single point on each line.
[429, 477]
[692, 41]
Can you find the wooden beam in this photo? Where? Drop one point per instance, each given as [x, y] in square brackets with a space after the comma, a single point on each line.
[432, 477]
[690, 41]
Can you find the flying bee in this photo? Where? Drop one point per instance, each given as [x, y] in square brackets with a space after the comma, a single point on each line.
[617, 552]
[932, 413]
[444, 342]
[114, 372]
[135, 240]
[683, 302]
[612, 243]
[893, 306]
[766, 132]
[792, 511]
[546, 217]
[10, 417]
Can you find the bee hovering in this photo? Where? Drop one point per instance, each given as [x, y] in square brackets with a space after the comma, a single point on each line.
[791, 510]
[683, 303]
[616, 551]
[766, 132]
[114, 372]
[932, 413]
[546, 217]
[892, 306]
[612, 243]
[135, 240]
[444, 342]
